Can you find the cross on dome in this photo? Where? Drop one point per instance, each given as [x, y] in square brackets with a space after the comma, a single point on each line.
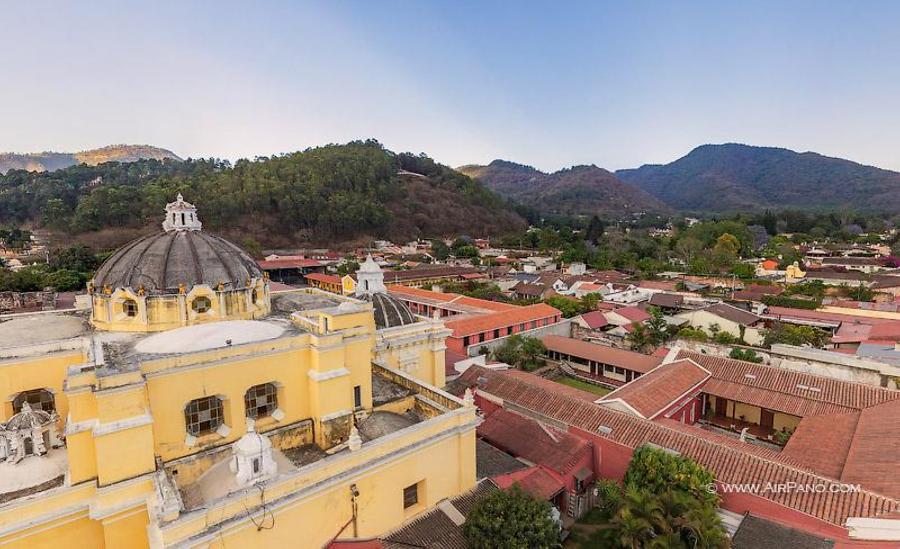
[181, 216]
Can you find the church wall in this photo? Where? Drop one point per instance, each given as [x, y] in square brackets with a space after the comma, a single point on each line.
[442, 469]
[170, 393]
[124, 454]
[127, 530]
[43, 372]
[71, 530]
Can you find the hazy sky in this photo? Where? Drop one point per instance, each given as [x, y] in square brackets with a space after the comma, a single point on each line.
[544, 83]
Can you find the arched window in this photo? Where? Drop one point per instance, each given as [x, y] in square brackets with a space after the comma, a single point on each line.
[261, 400]
[254, 296]
[130, 307]
[203, 415]
[38, 399]
[201, 304]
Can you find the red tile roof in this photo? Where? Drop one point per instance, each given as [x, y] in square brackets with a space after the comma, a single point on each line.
[788, 312]
[447, 271]
[537, 443]
[320, 277]
[553, 385]
[594, 319]
[787, 391]
[500, 319]
[465, 302]
[654, 392]
[538, 481]
[664, 285]
[630, 360]
[855, 447]
[634, 314]
[822, 442]
[730, 461]
[288, 263]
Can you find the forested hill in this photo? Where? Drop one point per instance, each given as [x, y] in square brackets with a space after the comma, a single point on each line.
[330, 194]
[734, 177]
[50, 161]
[579, 190]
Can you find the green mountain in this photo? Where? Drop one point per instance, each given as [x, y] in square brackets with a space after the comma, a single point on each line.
[50, 161]
[579, 190]
[733, 177]
[331, 194]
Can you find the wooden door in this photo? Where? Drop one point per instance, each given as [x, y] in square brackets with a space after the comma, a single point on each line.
[721, 407]
[767, 418]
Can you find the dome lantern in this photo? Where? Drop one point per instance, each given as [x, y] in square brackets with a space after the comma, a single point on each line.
[389, 311]
[369, 278]
[181, 216]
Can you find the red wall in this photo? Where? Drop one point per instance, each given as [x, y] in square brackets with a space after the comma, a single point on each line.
[682, 414]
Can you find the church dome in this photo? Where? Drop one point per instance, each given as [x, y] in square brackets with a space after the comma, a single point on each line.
[389, 311]
[180, 256]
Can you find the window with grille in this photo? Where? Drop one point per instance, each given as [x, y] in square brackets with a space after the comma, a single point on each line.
[261, 400]
[254, 297]
[410, 496]
[203, 415]
[38, 399]
[201, 304]
[129, 306]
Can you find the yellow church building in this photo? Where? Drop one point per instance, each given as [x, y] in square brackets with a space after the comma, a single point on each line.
[193, 408]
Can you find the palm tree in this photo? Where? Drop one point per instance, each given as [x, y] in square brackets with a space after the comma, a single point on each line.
[639, 337]
[632, 531]
[704, 527]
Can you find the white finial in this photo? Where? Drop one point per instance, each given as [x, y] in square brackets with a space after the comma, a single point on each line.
[469, 397]
[181, 216]
[355, 441]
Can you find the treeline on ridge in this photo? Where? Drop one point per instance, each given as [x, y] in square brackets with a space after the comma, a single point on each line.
[329, 193]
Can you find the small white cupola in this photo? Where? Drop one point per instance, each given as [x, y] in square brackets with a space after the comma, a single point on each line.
[181, 216]
[369, 278]
[253, 461]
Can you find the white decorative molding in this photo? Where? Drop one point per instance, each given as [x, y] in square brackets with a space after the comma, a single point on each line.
[330, 374]
[223, 430]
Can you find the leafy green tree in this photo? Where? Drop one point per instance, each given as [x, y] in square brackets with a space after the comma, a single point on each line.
[657, 327]
[727, 244]
[523, 352]
[65, 280]
[639, 338]
[665, 503]
[567, 306]
[790, 334]
[466, 251]
[748, 355]
[511, 519]
[74, 258]
[439, 250]
[252, 247]
[860, 293]
[689, 332]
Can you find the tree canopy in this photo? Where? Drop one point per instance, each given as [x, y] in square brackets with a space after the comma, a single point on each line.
[511, 519]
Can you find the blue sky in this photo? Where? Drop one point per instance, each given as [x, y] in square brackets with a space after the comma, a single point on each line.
[550, 84]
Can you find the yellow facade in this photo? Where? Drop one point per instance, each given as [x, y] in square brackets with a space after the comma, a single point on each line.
[128, 310]
[124, 413]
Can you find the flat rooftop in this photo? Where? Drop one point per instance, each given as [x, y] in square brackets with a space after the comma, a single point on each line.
[31, 329]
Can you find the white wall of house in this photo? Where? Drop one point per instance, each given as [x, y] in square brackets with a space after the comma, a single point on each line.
[705, 320]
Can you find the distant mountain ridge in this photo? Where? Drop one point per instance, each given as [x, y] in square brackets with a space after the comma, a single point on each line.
[51, 161]
[734, 177]
[579, 190]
